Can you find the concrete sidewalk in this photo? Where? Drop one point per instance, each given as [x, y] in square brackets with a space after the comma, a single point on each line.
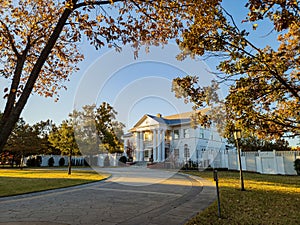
[131, 196]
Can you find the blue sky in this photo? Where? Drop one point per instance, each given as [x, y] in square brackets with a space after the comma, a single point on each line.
[137, 87]
[133, 87]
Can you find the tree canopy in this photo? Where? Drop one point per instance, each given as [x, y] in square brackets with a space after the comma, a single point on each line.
[39, 40]
[27, 140]
[63, 138]
[97, 130]
[264, 93]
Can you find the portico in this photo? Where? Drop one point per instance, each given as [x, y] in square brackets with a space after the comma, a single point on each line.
[150, 145]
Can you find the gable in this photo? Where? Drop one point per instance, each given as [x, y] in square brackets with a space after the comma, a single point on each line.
[145, 121]
[148, 122]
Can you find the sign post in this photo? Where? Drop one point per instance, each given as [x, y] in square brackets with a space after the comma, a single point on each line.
[216, 179]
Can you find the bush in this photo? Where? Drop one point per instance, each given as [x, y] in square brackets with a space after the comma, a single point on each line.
[297, 166]
[34, 162]
[190, 165]
[29, 162]
[61, 161]
[38, 161]
[130, 159]
[50, 161]
[122, 160]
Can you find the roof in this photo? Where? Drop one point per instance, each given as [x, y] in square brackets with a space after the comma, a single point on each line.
[185, 115]
[127, 135]
[172, 120]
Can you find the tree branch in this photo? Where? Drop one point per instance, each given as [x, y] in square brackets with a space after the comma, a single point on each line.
[10, 38]
[88, 3]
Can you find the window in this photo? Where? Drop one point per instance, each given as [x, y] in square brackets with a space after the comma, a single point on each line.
[186, 133]
[146, 153]
[147, 136]
[186, 151]
[176, 134]
[201, 133]
[198, 153]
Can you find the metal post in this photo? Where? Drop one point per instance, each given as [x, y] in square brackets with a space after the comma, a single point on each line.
[240, 165]
[218, 193]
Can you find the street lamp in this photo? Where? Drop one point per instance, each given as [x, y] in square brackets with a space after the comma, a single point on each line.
[237, 137]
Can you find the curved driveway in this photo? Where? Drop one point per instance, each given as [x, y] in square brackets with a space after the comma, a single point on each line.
[131, 196]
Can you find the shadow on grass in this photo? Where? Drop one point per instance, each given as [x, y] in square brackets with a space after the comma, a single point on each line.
[268, 199]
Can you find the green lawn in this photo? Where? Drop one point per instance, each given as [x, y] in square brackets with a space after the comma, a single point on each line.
[268, 199]
[16, 181]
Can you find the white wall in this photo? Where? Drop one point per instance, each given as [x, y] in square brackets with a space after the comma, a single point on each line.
[275, 162]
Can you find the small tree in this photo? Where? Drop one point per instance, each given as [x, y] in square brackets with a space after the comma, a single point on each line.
[63, 138]
[297, 166]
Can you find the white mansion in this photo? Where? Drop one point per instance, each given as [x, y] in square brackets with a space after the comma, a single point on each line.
[171, 138]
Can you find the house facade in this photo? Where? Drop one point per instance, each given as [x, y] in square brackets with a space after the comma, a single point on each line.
[171, 138]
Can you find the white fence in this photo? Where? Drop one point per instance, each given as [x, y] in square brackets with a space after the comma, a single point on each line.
[275, 162]
[95, 160]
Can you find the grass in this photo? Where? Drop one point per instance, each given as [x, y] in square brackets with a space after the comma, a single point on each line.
[268, 199]
[16, 181]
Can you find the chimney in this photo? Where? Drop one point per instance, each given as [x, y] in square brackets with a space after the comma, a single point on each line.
[158, 115]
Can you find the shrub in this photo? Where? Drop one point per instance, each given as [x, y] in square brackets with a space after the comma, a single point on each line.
[33, 162]
[297, 166]
[50, 161]
[61, 161]
[122, 160]
[130, 159]
[38, 161]
[29, 162]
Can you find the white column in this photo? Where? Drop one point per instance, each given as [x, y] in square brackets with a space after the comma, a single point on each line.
[141, 146]
[137, 143]
[159, 146]
[163, 149]
[124, 146]
[172, 141]
[154, 146]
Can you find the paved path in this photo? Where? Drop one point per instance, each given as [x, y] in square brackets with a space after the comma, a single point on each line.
[131, 196]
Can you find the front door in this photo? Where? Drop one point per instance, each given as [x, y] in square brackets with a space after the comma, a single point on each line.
[167, 153]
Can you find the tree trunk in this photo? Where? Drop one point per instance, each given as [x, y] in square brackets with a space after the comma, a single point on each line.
[6, 130]
[70, 164]
[13, 113]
